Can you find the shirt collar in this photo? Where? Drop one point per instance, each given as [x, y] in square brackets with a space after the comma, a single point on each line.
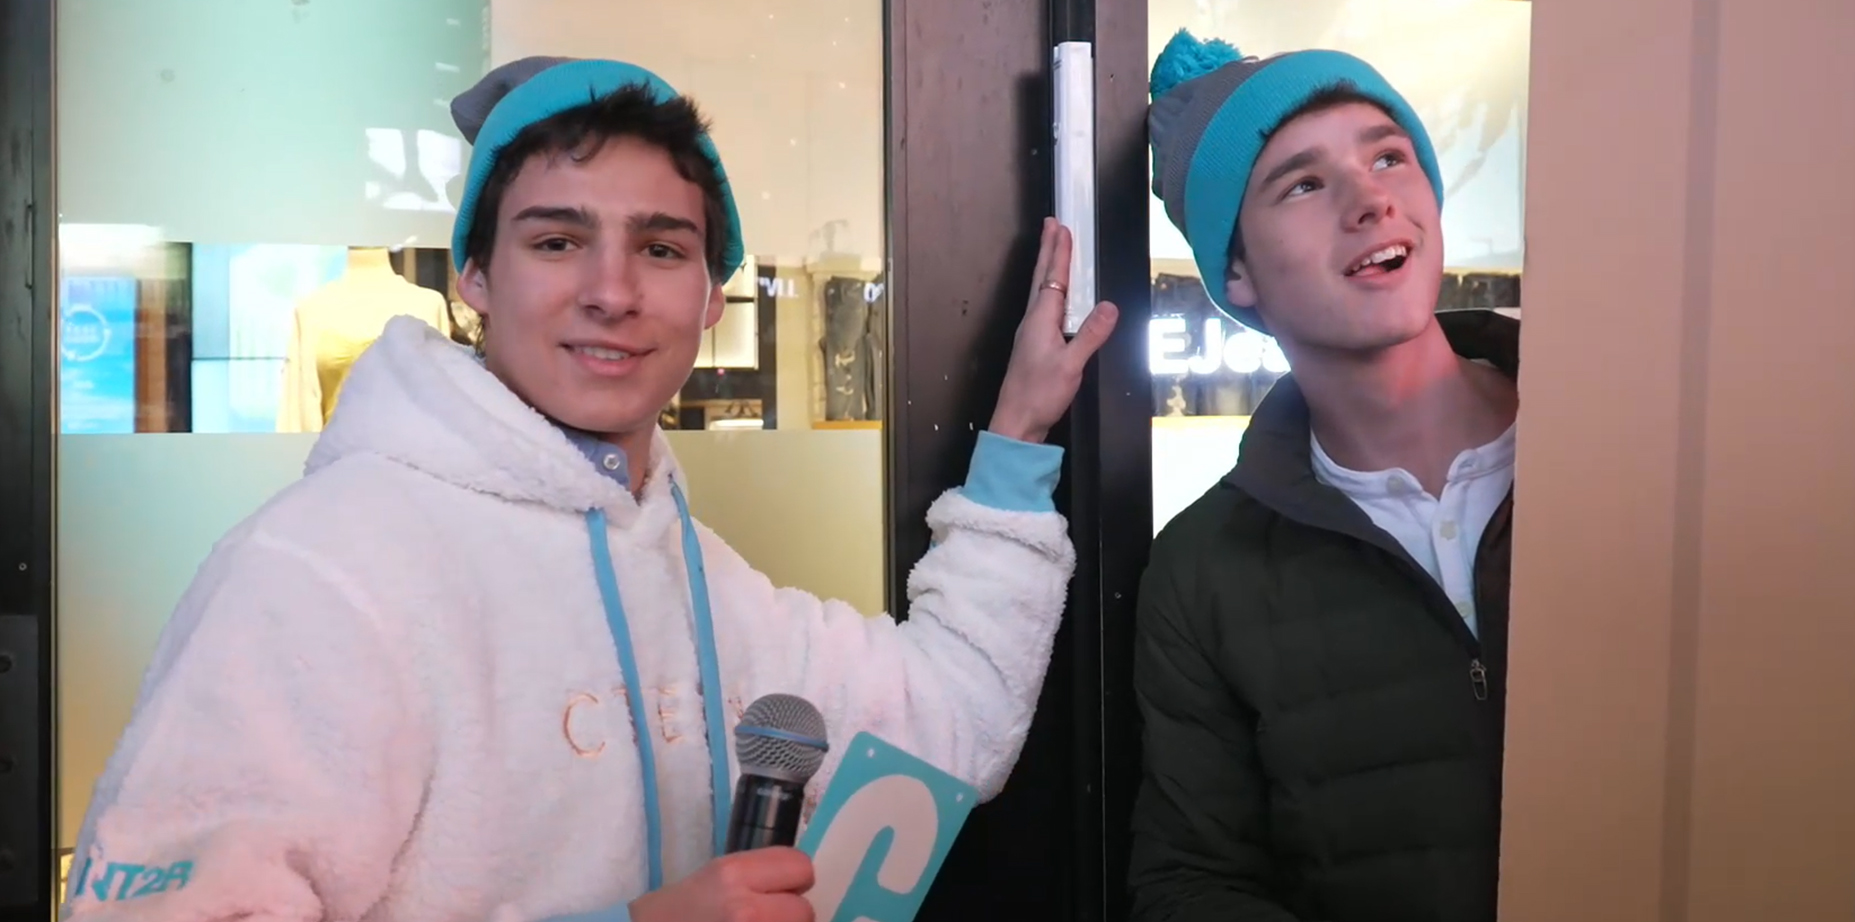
[605, 457]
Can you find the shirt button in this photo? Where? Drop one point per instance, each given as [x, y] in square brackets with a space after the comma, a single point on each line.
[1447, 530]
[612, 462]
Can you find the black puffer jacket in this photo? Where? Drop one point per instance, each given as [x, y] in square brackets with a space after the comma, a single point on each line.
[1322, 731]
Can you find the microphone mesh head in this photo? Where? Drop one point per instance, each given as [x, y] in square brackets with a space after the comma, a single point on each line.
[781, 736]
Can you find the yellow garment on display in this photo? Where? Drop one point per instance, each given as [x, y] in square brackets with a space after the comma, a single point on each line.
[335, 353]
[337, 323]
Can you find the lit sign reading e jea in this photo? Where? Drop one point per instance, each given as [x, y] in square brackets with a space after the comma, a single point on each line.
[1242, 350]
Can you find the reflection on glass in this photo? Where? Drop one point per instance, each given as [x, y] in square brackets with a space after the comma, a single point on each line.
[440, 159]
[1462, 64]
[225, 121]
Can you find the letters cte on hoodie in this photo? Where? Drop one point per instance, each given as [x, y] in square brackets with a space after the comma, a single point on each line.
[393, 693]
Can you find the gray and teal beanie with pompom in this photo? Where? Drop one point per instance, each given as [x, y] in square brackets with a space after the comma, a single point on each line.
[495, 111]
[1214, 109]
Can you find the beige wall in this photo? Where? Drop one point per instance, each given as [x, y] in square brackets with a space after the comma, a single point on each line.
[1681, 736]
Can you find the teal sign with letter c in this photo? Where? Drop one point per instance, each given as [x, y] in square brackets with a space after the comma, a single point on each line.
[881, 832]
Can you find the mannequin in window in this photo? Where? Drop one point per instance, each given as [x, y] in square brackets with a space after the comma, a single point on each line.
[335, 324]
[847, 347]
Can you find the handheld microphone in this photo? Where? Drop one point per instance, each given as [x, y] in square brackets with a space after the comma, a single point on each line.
[780, 743]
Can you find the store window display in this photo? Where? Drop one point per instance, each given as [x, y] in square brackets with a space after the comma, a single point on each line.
[336, 323]
[855, 337]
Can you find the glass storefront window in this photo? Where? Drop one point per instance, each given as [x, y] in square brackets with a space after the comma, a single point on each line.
[248, 191]
[1463, 66]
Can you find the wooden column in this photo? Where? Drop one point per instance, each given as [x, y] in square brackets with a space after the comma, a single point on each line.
[1681, 734]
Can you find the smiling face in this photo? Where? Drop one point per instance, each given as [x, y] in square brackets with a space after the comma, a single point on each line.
[1341, 247]
[597, 290]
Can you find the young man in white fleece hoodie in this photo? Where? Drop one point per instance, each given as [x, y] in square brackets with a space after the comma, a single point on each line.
[341, 722]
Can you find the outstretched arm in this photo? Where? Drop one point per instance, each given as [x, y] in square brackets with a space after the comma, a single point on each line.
[956, 683]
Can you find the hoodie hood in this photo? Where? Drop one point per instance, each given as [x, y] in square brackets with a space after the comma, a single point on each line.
[418, 399]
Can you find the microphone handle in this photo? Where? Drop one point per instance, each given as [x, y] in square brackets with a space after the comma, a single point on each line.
[766, 813]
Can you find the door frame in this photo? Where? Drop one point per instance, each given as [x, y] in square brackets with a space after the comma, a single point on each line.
[969, 97]
[28, 442]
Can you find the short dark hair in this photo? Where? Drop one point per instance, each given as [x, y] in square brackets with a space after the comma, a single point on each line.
[675, 125]
[1333, 96]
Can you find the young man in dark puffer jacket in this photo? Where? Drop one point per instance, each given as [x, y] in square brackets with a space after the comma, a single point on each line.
[1322, 641]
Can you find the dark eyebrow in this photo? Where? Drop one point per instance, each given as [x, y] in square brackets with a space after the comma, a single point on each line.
[1313, 155]
[1378, 133]
[1300, 161]
[660, 221]
[653, 222]
[562, 214]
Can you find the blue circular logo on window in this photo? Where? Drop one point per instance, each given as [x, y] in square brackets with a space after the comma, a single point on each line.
[85, 335]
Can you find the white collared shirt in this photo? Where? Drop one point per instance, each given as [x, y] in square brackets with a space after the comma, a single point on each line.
[1440, 533]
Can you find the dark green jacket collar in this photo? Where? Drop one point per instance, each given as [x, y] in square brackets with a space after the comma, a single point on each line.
[1275, 463]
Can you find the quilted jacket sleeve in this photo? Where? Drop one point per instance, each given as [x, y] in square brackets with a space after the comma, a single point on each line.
[1199, 819]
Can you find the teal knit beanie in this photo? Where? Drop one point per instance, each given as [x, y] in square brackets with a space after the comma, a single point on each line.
[1213, 111]
[521, 93]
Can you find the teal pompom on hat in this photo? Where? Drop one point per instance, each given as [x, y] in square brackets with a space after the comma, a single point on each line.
[523, 92]
[1213, 111]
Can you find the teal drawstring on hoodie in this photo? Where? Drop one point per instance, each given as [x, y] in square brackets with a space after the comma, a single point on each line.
[707, 662]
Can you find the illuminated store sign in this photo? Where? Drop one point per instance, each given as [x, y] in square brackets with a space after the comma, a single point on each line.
[1225, 345]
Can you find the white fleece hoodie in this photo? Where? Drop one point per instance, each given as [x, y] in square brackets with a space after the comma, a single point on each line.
[392, 694]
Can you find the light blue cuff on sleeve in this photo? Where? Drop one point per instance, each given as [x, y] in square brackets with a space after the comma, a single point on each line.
[619, 913]
[1014, 476]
